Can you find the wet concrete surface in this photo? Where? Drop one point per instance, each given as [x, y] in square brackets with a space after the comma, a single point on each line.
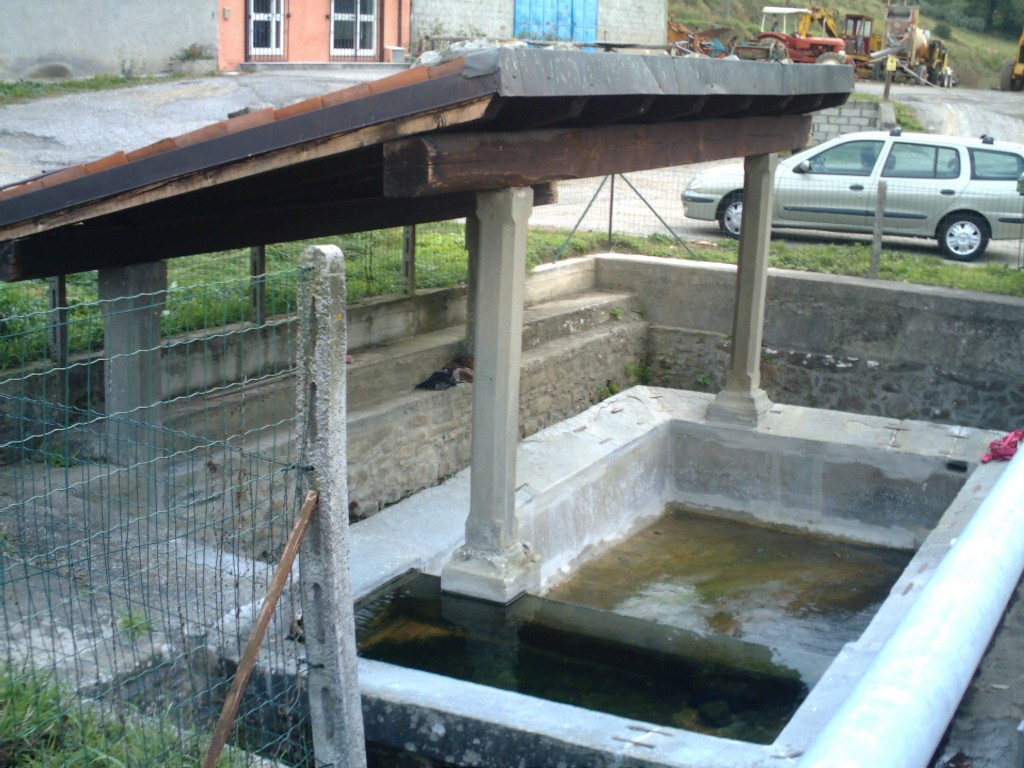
[763, 585]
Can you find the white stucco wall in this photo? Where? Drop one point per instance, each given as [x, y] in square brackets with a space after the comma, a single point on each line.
[80, 38]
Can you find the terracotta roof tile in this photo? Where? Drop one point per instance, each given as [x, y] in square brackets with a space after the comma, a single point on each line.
[110, 161]
[446, 68]
[251, 120]
[164, 145]
[299, 108]
[205, 133]
[348, 94]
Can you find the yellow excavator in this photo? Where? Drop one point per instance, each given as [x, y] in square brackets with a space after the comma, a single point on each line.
[1012, 76]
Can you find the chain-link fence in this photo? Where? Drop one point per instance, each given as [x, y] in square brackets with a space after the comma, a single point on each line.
[923, 208]
[136, 546]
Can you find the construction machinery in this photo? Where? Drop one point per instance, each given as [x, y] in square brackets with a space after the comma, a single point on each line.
[1012, 76]
[918, 56]
[785, 33]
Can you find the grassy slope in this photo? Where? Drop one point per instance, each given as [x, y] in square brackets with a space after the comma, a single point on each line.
[976, 58]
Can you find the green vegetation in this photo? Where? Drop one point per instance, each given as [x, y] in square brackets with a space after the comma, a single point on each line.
[26, 90]
[40, 726]
[214, 290]
[640, 373]
[134, 625]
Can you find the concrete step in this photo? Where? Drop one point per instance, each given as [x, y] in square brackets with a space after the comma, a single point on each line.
[383, 372]
[575, 314]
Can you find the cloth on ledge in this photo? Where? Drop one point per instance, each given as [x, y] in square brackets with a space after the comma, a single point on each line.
[1004, 448]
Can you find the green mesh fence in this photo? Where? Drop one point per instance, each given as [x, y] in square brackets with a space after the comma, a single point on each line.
[136, 547]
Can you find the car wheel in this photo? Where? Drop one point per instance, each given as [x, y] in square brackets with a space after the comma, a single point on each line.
[963, 236]
[730, 214]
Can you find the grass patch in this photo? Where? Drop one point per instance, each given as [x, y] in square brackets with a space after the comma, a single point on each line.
[41, 726]
[27, 90]
[213, 290]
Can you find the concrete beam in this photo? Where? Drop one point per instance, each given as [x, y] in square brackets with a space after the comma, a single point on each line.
[743, 402]
[494, 565]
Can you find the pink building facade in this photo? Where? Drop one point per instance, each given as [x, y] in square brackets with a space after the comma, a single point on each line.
[311, 31]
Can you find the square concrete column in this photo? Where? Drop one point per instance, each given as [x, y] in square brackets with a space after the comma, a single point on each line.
[132, 301]
[335, 706]
[743, 402]
[494, 565]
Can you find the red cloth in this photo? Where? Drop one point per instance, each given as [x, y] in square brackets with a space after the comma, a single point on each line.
[1005, 448]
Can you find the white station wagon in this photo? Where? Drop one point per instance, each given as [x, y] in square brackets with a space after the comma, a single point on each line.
[962, 192]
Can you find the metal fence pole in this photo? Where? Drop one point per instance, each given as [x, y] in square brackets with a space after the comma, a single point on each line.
[611, 211]
[327, 610]
[876, 243]
[258, 283]
[409, 258]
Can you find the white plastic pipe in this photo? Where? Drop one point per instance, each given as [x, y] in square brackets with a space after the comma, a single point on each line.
[896, 715]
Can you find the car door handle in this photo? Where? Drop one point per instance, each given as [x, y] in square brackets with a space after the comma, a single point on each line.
[857, 187]
[948, 192]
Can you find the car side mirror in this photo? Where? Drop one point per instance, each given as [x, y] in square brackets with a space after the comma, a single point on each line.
[1020, 185]
[803, 167]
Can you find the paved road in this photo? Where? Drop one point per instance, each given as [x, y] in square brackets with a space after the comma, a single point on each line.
[961, 111]
[47, 134]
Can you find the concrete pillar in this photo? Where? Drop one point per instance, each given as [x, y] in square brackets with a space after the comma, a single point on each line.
[132, 302]
[327, 610]
[743, 402]
[494, 565]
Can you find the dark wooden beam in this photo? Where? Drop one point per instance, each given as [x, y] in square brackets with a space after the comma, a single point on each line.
[431, 165]
[112, 242]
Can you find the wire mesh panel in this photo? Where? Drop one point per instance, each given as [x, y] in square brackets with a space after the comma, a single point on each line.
[136, 547]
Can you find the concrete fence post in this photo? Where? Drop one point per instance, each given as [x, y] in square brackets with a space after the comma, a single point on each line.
[327, 611]
[132, 300]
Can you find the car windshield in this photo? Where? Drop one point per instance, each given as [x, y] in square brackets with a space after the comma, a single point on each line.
[852, 158]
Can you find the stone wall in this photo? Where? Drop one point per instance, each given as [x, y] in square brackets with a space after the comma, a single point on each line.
[880, 348]
[854, 115]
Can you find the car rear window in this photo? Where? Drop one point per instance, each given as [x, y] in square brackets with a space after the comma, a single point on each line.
[989, 165]
[921, 161]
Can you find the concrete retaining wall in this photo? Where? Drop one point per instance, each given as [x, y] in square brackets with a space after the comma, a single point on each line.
[880, 348]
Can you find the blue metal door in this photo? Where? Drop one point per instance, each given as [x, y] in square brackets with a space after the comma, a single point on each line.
[556, 20]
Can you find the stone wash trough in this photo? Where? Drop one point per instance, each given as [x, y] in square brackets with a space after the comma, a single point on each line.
[594, 480]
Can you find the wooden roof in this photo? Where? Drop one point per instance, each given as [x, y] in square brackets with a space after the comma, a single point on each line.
[406, 149]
